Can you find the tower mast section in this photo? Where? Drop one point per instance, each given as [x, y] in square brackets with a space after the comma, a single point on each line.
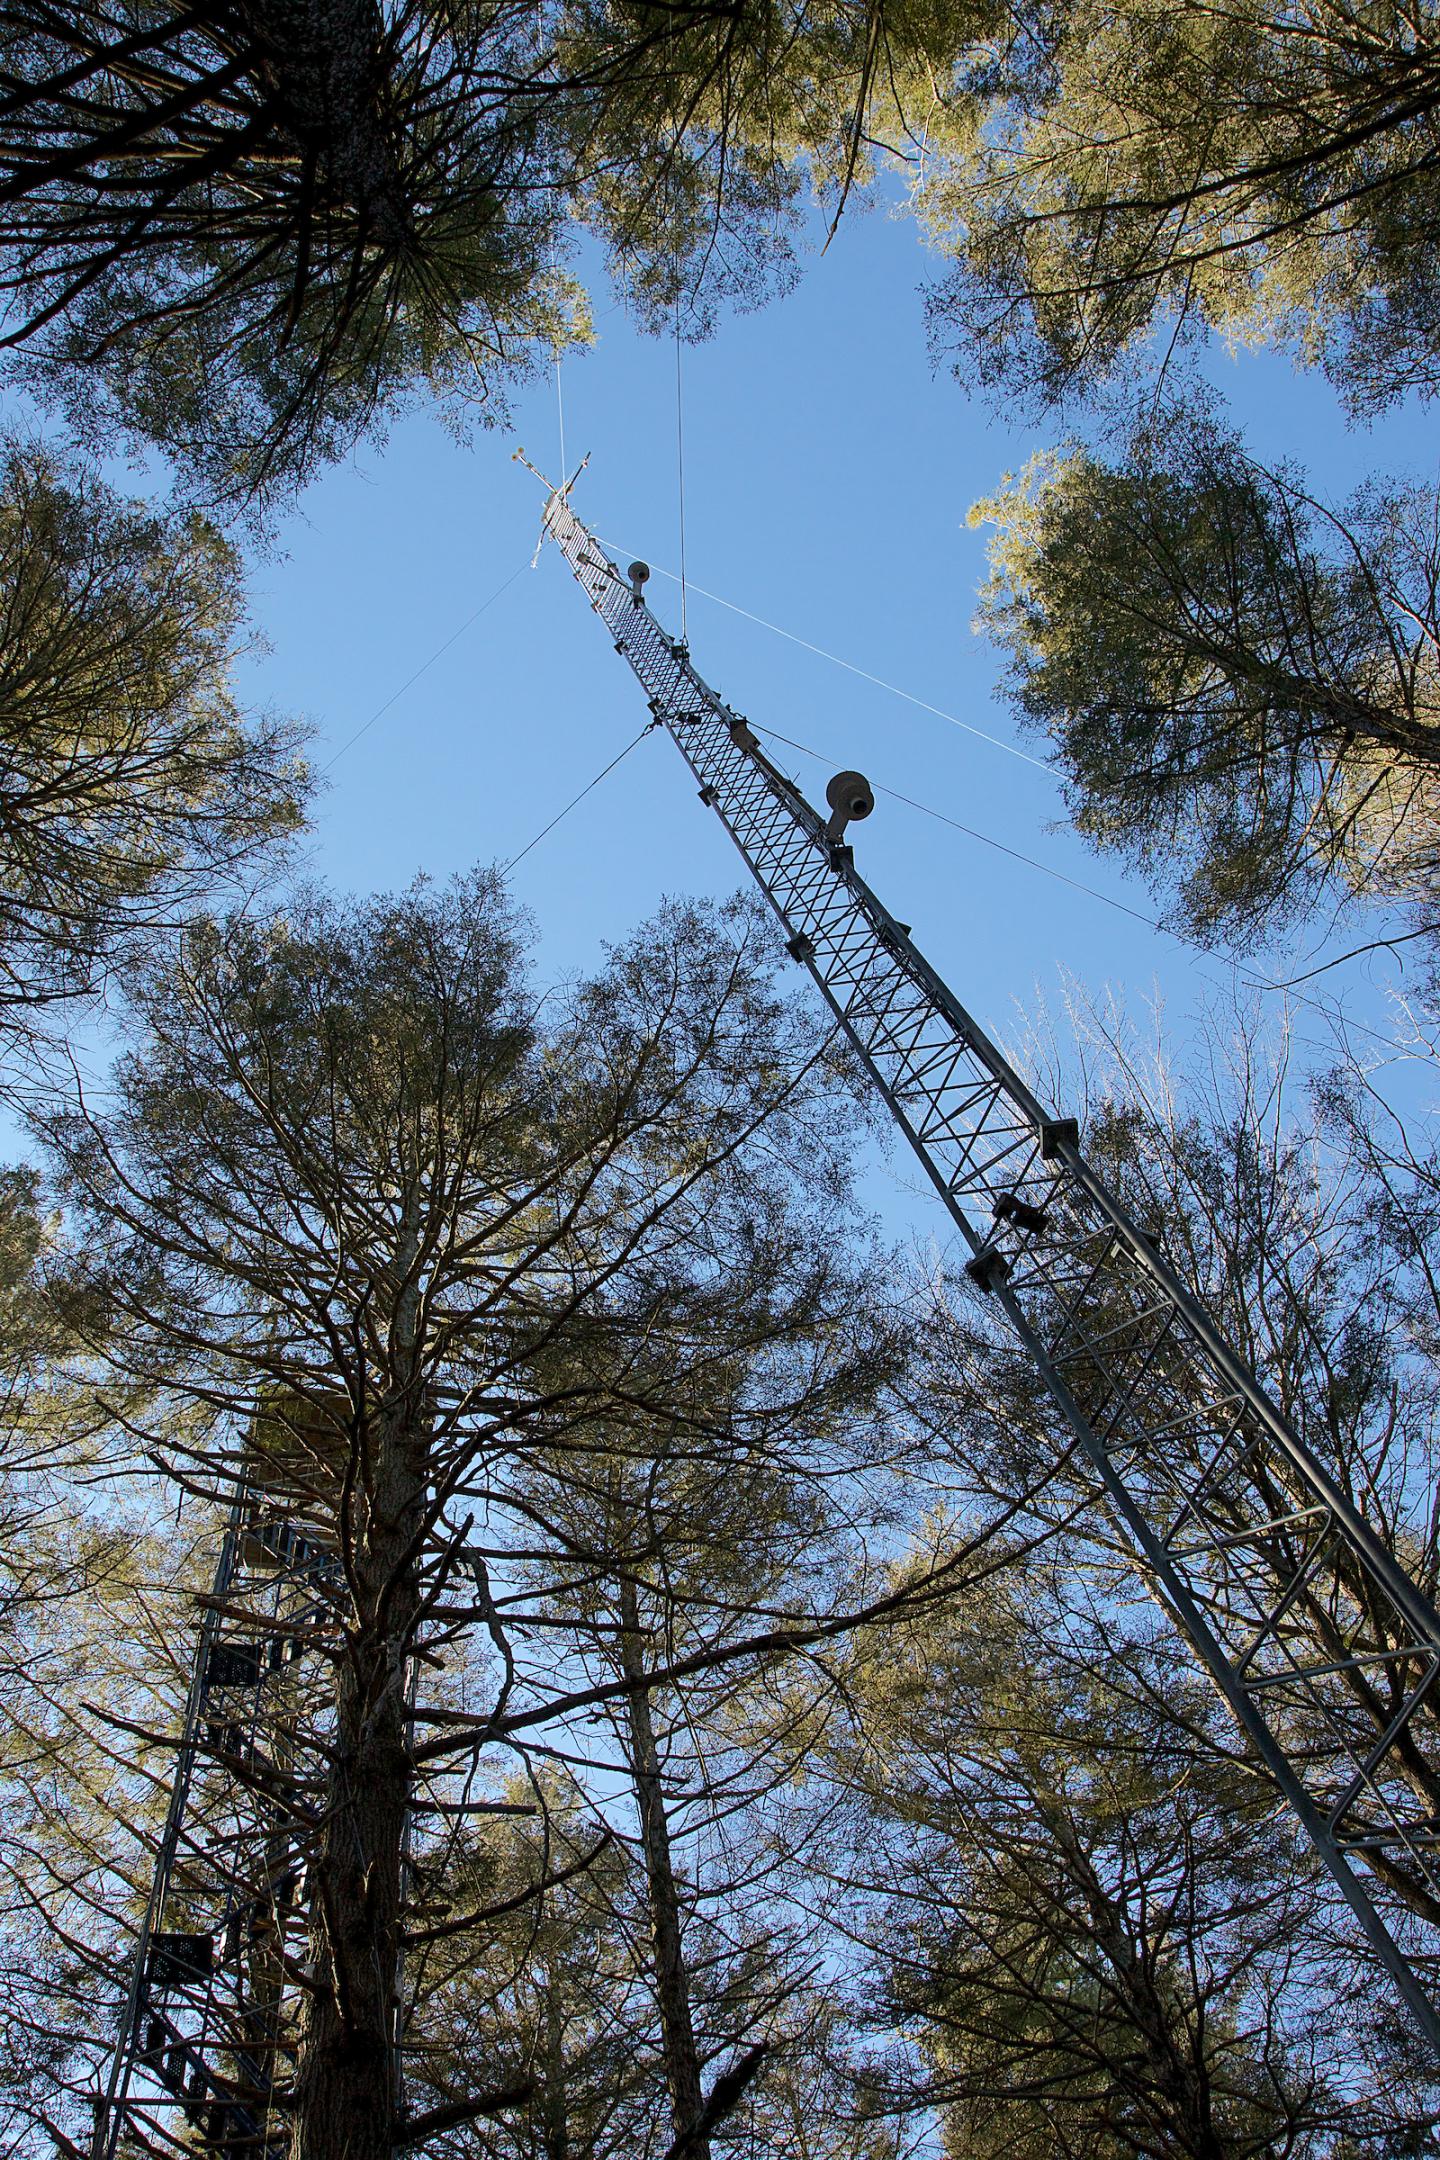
[1324, 1648]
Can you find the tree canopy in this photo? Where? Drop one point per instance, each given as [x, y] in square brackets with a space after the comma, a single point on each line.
[134, 782]
[248, 233]
[671, 1688]
[789, 1757]
[1239, 682]
[251, 236]
[1266, 172]
[1096, 1927]
[382, 1233]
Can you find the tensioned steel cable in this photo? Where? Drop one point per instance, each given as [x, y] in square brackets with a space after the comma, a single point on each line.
[576, 800]
[1308, 1622]
[1092, 892]
[968, 727]
[680, 477]
[424, 667]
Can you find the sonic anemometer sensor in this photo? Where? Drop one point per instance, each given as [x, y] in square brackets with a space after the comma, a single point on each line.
[850, 797]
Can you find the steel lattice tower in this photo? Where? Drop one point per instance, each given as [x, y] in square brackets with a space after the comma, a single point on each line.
[1239, 1530]
[208, 2025]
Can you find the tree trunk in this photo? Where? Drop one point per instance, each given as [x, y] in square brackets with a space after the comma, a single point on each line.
[672, 1979]
[346, 2086]
[345, 2082]
[556, 2124]
[323, 64]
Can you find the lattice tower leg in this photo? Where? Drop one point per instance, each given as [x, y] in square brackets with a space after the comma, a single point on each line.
[1324, 1648]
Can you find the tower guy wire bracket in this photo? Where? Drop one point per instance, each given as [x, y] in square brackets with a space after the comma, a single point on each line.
[518, 457]
[1325, 1650]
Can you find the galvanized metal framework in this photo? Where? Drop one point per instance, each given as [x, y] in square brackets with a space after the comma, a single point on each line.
[1324, 1648]
[207, 2034]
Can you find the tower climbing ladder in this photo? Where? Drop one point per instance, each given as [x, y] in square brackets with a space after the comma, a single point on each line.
[1324, 1648]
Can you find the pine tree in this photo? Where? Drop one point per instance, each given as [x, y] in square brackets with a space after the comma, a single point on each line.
[676, 1540]
[1104, 175]
[1090, 1915]
[393, 1225]
[1279, 1224]
[250, 234]
[547, 1993]
[1240, 684]
[134, 782]
[94, 1584]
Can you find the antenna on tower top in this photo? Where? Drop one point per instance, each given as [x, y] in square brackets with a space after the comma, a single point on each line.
[555, 494]
[519, 458]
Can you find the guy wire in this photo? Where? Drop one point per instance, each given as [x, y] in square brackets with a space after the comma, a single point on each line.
[680, 470]
[559, 387]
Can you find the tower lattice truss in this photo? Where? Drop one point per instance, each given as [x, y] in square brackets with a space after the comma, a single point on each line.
[1325, 1649]
[209, 2026]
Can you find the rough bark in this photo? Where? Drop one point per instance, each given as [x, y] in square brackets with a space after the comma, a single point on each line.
[345, 2083]
[346, 2086]
[672, 1978]
[323, 65]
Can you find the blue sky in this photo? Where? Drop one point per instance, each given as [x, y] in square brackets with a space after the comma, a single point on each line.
[829, 468]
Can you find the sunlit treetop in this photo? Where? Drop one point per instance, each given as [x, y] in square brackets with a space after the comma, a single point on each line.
[1239, 681]
[246, 232]
[1269, 172]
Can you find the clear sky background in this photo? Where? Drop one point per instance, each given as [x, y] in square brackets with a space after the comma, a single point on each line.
[829, 467]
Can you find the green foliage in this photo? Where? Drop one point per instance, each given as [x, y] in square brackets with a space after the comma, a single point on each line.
[402, 1068]
[1240, 683]
[713, 120]
[245, 230]
[133, 781]
[352, 1165]
[1001, 1858]
[88, 1638]
[84, 1581]
[248, 233]
[1267, 172]
[1313, 1246]
[1096, 1911]
[546, 1996]
[251, 234]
